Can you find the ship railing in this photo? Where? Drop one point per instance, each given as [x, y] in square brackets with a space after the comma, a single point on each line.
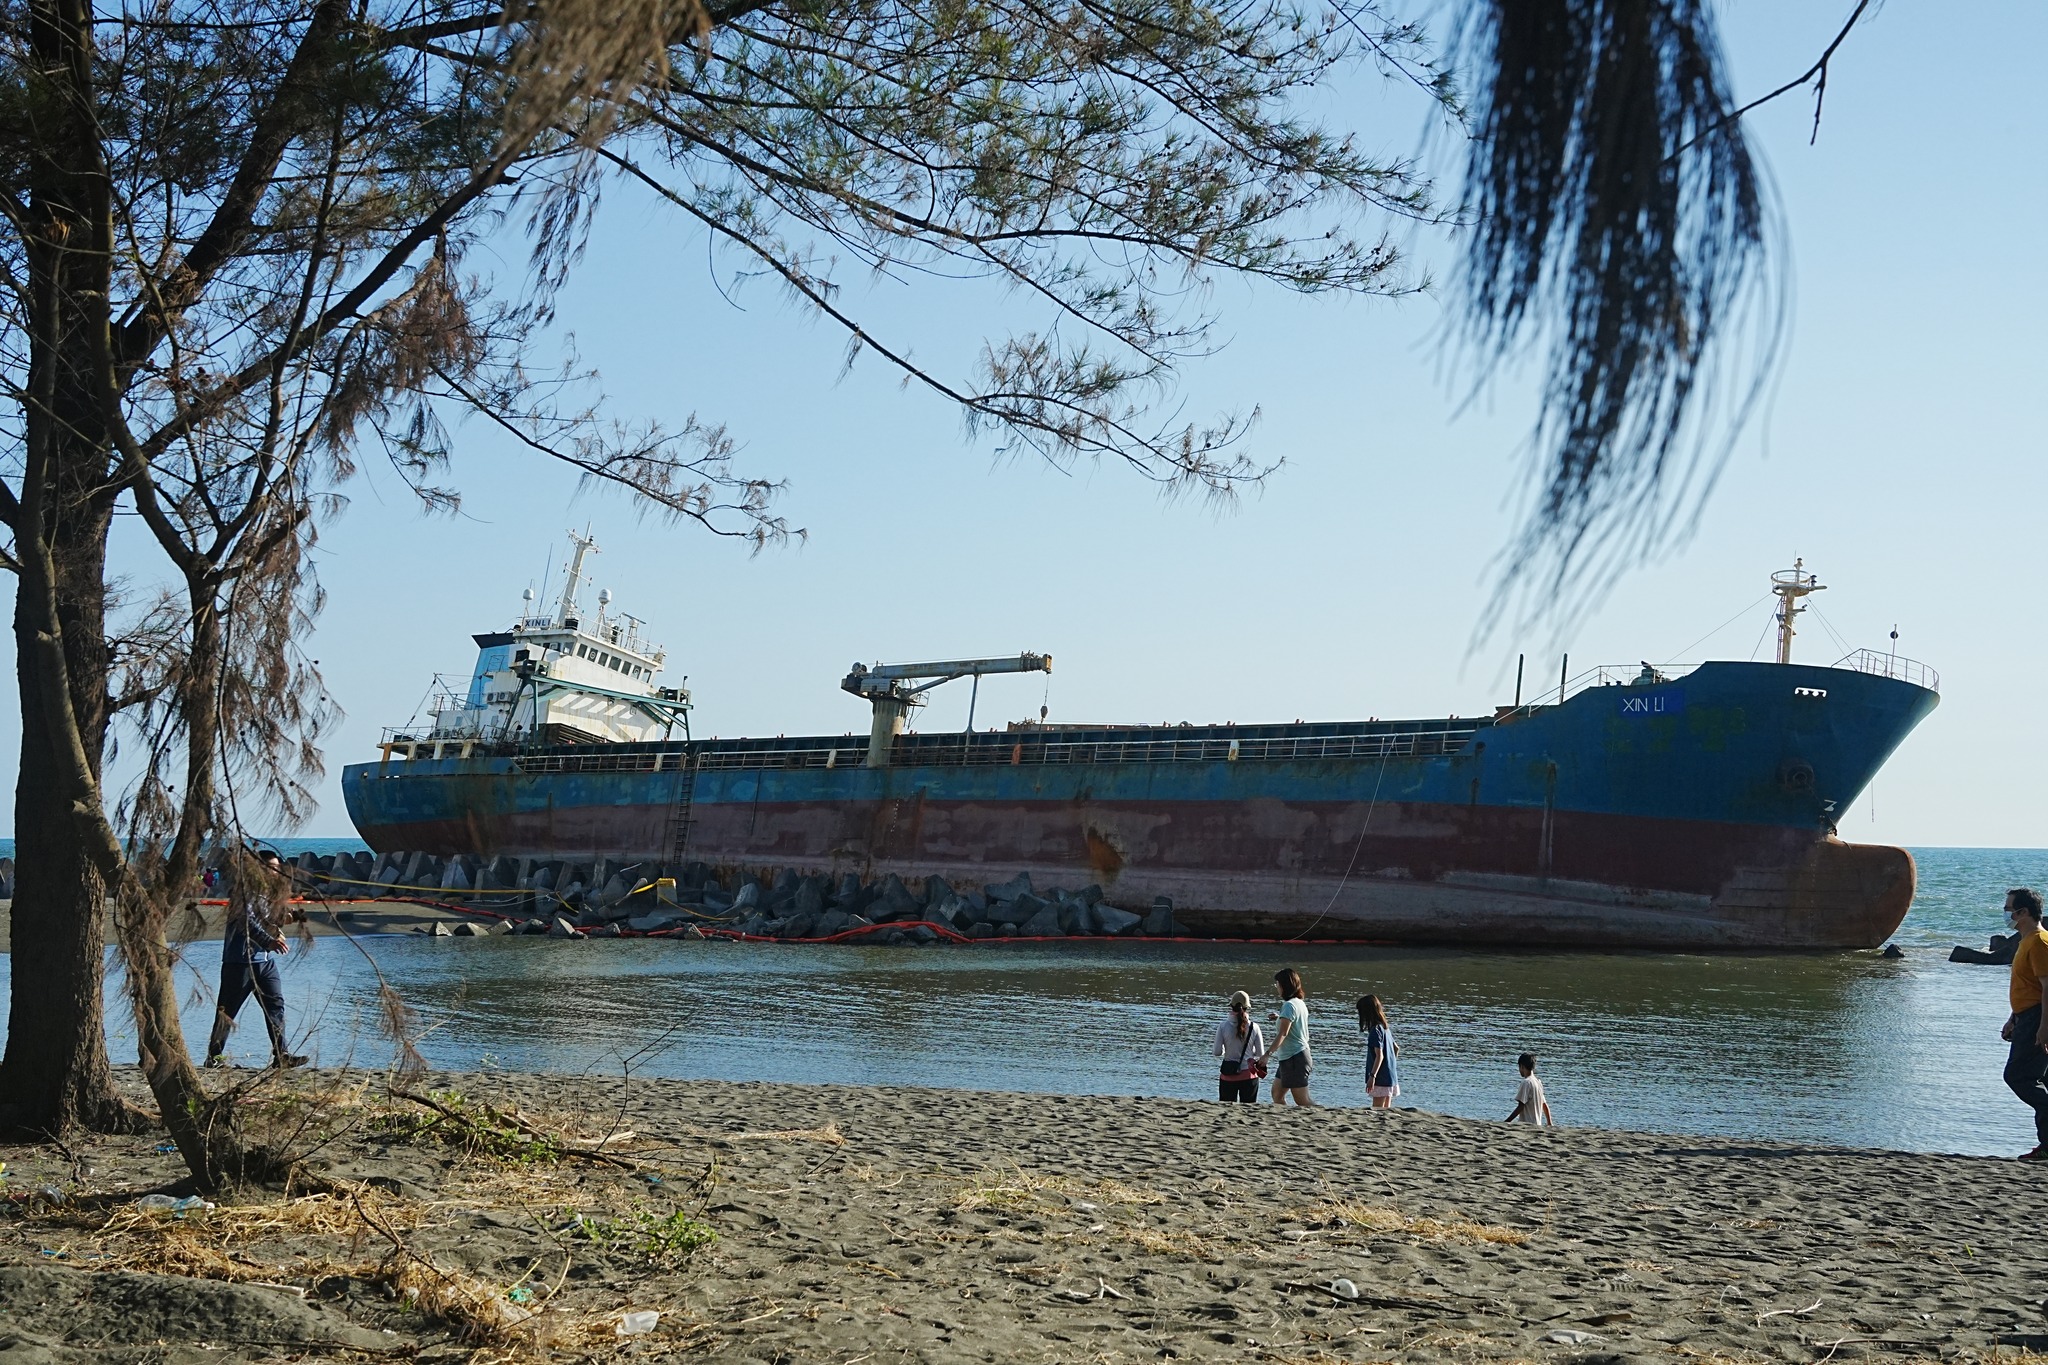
[1207, 749]
[951, 751]
[599, 759]
[1600, 675]
[1887, 665]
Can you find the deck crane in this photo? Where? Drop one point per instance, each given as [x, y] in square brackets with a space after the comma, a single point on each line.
[884, 688]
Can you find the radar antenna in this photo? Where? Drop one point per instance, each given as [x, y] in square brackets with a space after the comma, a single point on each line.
[584, 543]
[1790, 585]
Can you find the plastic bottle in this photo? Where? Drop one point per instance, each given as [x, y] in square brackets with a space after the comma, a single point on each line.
[177, 1208]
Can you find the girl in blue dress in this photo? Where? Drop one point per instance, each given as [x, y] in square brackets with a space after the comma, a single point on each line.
[1383, 1076]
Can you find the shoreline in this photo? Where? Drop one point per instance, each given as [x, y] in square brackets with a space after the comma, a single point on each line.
[365, 917]
[918, 1224]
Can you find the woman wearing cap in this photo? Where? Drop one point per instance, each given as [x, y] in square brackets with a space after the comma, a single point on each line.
[1240, 1043]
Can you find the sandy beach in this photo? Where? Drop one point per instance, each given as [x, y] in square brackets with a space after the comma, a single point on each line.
[883, 1224]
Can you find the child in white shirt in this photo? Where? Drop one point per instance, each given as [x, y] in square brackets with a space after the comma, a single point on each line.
[1530, 1105]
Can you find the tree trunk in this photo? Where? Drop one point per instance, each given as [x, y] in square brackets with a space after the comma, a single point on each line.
[203, 1128]
[54, 1074]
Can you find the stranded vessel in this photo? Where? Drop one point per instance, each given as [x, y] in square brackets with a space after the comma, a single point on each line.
[1627, 808]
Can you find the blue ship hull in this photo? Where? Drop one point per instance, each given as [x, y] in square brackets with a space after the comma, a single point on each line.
[1697, 813]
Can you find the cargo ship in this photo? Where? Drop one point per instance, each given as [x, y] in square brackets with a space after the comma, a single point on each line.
[1638, 807]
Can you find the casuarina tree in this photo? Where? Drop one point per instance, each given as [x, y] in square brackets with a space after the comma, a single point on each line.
[240, 258]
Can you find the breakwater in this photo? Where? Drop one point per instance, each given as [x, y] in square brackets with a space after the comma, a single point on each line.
[568, 898]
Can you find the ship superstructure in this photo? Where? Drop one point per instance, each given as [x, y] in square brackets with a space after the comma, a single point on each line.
[569, 677]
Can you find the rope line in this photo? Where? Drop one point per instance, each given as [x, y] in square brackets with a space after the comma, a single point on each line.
[1356, 849]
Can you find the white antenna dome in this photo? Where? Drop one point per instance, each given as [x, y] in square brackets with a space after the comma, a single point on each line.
[604, 597]
[527, 597]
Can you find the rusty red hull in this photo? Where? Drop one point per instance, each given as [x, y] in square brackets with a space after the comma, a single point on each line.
[1422, 873]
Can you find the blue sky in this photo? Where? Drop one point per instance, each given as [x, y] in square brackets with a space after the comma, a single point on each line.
[1899, 454]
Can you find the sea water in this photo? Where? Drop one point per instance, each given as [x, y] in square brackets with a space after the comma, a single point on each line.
[1847, 1049]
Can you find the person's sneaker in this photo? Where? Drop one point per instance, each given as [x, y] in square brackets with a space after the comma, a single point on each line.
[2040, 1153]
[285, 1061]
[218, 1059]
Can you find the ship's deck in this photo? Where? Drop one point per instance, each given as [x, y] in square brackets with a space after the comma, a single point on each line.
[1049, 745]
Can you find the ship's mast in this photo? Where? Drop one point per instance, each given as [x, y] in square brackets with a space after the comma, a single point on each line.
[584, 543]
[1790, 585]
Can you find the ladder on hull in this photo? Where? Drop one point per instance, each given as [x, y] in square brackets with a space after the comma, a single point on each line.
[681, 808]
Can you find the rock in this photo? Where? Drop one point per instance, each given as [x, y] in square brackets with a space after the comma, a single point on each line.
[921, 933]
[609, 931]
[1110, 920]
[937, 891]
[2003, 946]
[951, 912]
[1090, 893]
[561, 928]
[803, 926]
[1016, 910]
[692, 932]
[810, 897]
[1893, 950]
[614, 890]
[849, 889]
[894, 901]
[536, 925]
[1077, 918]
[439, 929]
[1019, 885]
[786, 882]
[498, 928]
[747, 897]
[1044, 924]
[1161, 923]
[1006, 931]
[833, 922]
[654, 921]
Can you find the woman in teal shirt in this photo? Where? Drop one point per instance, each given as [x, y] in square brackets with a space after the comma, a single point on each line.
[1289, 1054]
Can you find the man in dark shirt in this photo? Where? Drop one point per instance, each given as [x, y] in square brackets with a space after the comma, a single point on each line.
[250, 944]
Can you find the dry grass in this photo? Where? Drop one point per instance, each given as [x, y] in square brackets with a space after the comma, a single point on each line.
[1179, 1242]
[1376, 1219]
[504, 1161]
